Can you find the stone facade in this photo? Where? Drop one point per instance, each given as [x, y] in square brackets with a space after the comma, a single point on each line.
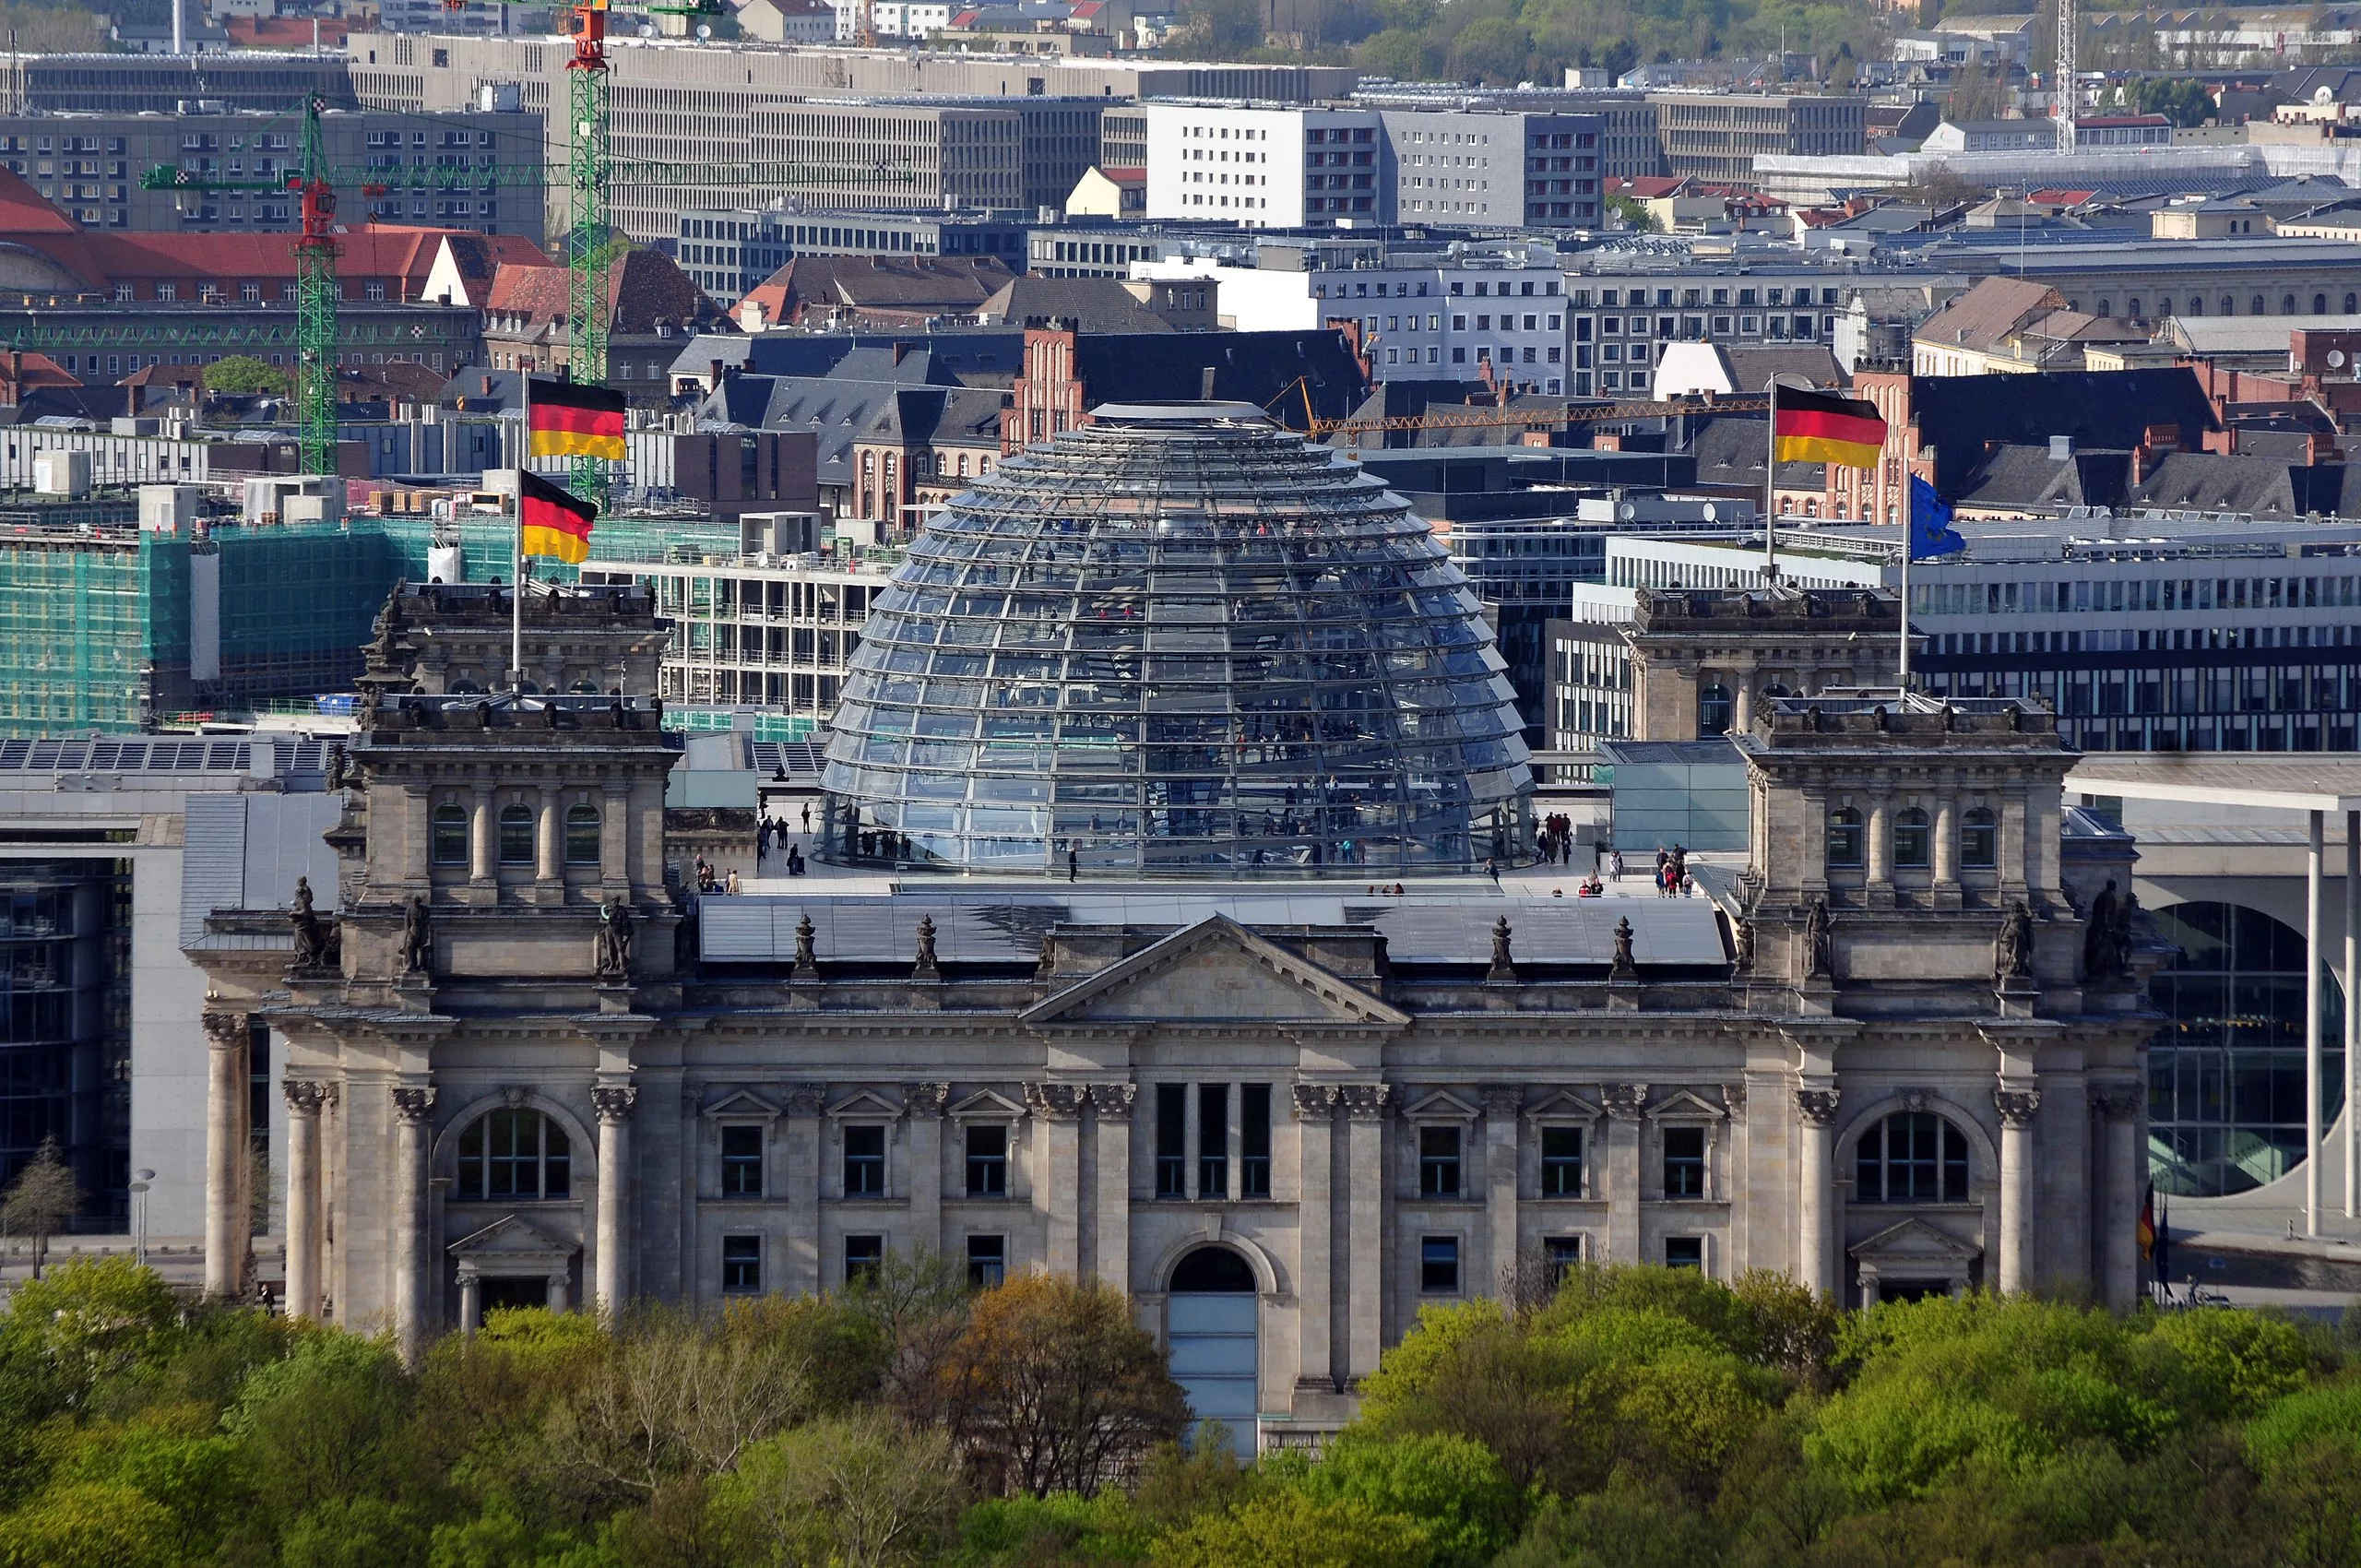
[1748, 647]
[503, 1091]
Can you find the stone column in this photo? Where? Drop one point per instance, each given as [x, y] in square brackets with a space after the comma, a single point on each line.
[1816, 1142]
[1058, 1196]
[2017, 1108]
[560, 1297]
[1365, 1179]
[2017, 858]
[1624, 1103]
[549, 862]
[1815, 866]
[926, 1102]
[470, 1300]
[1111, 1105]
[225, 1154]
[483, 854]
[1881, 845]
[612, 1278]
[1946, 855]
[1501, 1106]
[304, 1102]
[413, 1113]
[803, 1102]
[1315, 1114]
[614, 843]
[2120, 1186]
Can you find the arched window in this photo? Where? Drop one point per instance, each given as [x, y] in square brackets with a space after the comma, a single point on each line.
[2319, 305]
[2287, 304]
[2258, 307]
[2229, 305]
[2103, 303]
[2165, 305]
[1713, 712]
[1844, 839]
[450, 835]
[2132, 309]
[582, 836]
[515, 836]
[1912, 1157]
[1912, 840]
[2196, 306]
[2353, 305]
[515, 1155]
[1980, 840]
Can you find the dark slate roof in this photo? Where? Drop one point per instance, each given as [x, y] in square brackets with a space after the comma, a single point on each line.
[1248, 367]
[844, 408]
[2015, 477]
[2210, 481]
[1090, 305]
[1730, 449]
[1959, 416]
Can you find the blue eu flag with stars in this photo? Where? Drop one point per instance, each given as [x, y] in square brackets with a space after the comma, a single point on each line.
[1931, 533]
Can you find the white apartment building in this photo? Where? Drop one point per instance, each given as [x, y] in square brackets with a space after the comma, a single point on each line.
[1267, 168]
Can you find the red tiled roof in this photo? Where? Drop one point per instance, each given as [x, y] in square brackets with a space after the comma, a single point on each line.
[2053, 195]
[284, 32]
[127, 258]
[1126, 176]
[29, 372]
[647, 287]
[23, 210]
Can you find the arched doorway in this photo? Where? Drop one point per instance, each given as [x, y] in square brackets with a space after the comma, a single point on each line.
[1210, 1321]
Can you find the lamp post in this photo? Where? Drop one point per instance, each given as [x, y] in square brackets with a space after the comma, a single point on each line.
[139, 1217]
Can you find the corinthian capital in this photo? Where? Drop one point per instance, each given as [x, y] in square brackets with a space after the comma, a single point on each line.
[1818, 1107]
[2016, 1107]
[614, 1102]
[415, 1104]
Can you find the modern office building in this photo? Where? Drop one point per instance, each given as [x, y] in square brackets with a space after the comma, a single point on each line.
[2148, 632]
[90, 166]
[731, 252]
[1480, 168]
[1267, 167]
[1717, 136]
[261, 80]
[1213, 650]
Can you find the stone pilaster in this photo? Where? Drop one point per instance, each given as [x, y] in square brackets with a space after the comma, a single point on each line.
[1110, 1107]
[1625, 1104]
[802, 1188]
[1365, 1186]
[926, 1102]
[1500, 1156]
[1315, 1114]
[2120, 1186]
[1057, 1195]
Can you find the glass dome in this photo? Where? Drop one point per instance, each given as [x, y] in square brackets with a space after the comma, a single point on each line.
[1179, 640]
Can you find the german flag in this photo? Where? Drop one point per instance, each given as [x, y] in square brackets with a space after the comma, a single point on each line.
[574, 420]
[552, 521]
[1817, 428]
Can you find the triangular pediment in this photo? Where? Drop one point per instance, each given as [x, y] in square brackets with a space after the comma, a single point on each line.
[1216, 972]
[1564, 1106]
[510, 1237]
[1686, 1102]
[866, 1105]
[1439, 1105]
[1914, 1240]
[985, 1106]
[744, 1104]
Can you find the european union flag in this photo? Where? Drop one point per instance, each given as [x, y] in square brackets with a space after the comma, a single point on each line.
[1931, 533]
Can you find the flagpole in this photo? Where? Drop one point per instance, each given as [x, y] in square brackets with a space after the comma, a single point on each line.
[1909, 538]
[1771, 493]
[516, 582]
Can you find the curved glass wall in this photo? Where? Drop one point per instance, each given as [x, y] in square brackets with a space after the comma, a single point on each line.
[1178, 640]
[2225, 1075]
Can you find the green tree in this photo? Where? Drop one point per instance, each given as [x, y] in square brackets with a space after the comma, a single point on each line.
[1217, 29]
[329, 1424]
[243, 374]
[1492, 50]
[90, 1321]
[40, 1200]
[859, 1491]
[1288, 1529]
[2181, 99]
[1452, 1486]
[89, 1525]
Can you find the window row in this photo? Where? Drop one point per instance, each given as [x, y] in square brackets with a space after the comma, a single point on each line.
[864, 1256]
[514, 840]
[1912, 836]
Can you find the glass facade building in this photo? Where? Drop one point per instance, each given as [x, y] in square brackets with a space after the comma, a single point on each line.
[1179, 640]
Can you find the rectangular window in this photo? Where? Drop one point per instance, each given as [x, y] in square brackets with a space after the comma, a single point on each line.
[986, 1163]
[987, 1261]
[1562, 1162]
[1254, 1141]
[1684, 1162]
[1439, 1266]
[1684, 1251]
[1172, 1140]
[1213, 1140]
[1439, 1162]
[1560, 1254]
[865, 1255]
[741, 1162]
[864, 1162]
[742, 1265]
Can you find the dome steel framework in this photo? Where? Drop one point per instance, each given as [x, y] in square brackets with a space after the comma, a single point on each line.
[1179, 640]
